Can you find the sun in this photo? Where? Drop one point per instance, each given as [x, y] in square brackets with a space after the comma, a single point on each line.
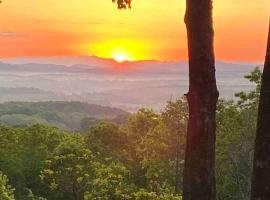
[121, 55]
[120, 58]
[120, 50]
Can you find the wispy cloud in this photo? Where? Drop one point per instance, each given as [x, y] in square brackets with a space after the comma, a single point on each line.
[8, 34]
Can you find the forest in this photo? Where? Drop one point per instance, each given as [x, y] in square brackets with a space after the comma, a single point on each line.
[72, 116]
[200, 147]
[142, 159]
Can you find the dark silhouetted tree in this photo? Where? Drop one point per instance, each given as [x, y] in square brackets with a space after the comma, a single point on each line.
[199, 173]
[260, 189]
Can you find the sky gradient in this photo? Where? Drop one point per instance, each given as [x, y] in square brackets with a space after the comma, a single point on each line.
[152, 29]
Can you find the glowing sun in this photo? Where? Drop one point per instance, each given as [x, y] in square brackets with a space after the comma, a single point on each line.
[120, 58]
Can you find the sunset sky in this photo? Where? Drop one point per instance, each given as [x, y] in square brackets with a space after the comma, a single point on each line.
[152, 29]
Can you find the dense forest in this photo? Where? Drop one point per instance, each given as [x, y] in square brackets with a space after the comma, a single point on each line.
[142, 159]
[197, 148]
[65, 115]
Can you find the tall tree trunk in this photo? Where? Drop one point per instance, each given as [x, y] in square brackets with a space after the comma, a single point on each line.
[260, 189]
[199, 173]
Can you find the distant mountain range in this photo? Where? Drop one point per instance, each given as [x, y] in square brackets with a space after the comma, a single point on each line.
[129, 85]
[69, 60]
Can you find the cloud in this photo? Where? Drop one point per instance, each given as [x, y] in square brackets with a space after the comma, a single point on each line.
[8, 34]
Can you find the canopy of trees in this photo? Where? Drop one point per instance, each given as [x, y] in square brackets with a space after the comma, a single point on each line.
[142, 159]
[65, 115]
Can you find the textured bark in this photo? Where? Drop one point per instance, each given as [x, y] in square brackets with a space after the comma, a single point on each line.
[261, 166]
[199, 173]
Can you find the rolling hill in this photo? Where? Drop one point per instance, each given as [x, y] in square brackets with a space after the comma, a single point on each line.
[65, 115]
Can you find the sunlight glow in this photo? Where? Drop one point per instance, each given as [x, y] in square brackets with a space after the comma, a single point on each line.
[152, 29]
[119, 49]
[120, 58]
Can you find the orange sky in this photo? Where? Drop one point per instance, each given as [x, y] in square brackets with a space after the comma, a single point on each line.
[153, 29]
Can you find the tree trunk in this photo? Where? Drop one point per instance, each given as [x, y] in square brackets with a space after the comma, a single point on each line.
[199, 173]
[260, 189]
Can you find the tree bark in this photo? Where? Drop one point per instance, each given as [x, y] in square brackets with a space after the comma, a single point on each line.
[199, 173]
[260, 189]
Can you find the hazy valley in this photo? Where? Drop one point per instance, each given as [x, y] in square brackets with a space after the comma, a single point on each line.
[129, 85]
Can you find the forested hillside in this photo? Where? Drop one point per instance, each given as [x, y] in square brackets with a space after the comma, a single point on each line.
[140, 160]
[64, 115]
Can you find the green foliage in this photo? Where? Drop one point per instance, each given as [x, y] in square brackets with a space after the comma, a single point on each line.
[144, 195]
[6, 191]
[108, 141]
[158, 141]
[251, 98]
[235, 141]
[21, 120]
[236, 128]
[142, 122]
[139, 160]
[155, 159]
[70, 168]
[110, 182]
[31, 196]
[64, 115]
[87, 123]
[23, 151]
[75, 172]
